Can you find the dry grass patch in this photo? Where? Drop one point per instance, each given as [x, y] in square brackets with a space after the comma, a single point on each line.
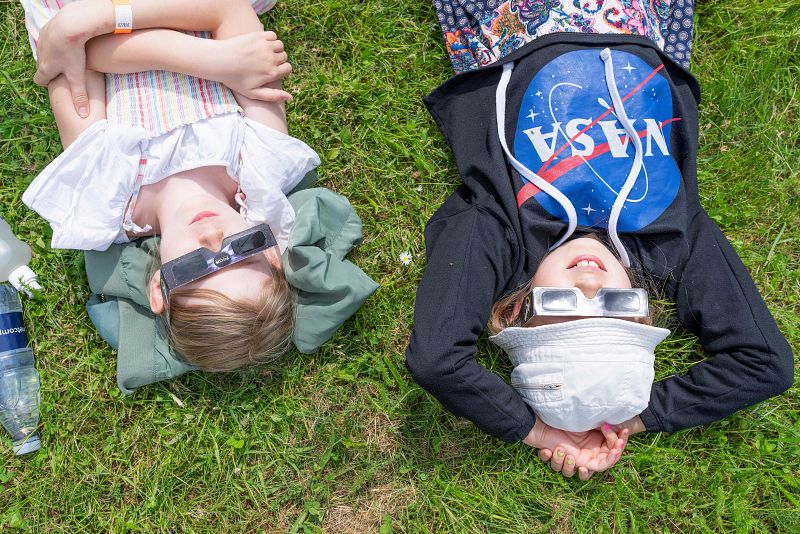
[367, 515]
[381, 432]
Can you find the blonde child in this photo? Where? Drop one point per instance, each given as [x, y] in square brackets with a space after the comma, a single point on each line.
[202, 159]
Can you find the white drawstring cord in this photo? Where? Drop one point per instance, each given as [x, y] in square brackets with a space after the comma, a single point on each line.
[622, 197]
[529, 175]
[554, 192]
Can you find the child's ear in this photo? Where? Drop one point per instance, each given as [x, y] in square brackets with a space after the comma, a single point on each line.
[154, 294]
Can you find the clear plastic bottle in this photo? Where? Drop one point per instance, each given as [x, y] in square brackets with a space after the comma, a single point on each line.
[19, 381]
[14, 258]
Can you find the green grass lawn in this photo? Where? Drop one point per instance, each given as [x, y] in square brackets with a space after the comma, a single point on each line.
[345, 441]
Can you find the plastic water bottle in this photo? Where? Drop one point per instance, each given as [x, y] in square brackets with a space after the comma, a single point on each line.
[14, 258]
[19, 381]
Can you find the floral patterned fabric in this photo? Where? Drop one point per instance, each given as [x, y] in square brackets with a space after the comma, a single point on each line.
[479, 32]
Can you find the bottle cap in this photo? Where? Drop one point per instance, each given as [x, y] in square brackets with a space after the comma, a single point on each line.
[28, 445]
[24, 279]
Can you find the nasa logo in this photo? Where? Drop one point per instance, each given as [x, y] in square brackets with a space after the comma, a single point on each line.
[568, 133]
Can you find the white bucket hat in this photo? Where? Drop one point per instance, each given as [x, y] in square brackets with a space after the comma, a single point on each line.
[580, 374]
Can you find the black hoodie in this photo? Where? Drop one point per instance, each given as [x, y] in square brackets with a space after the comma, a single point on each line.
[489, 237]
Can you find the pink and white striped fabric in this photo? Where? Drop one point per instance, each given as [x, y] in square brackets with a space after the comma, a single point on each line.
[158, 101]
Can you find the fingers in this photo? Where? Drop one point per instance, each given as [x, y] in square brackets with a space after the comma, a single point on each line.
[623, 438]
[283, 70]
[569, 467]
[80, 97]
[81, 101]
[557, 460]
[77, 87]
[565, 464]
[609, 434]
[277, 46]
[615, 442]
[40, 78]
[270, 95]
[270, 36]
[604, 461]
[584, 473]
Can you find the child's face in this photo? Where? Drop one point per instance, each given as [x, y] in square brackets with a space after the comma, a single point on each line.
[585, 263]
[204, 224]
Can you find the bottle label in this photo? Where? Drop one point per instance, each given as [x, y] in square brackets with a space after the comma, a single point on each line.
[12, 332]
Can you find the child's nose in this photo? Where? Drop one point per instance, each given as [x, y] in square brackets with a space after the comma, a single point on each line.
[212, 239]
[589, 286]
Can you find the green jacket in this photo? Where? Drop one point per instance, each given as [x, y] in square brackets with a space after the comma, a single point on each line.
[329, 289]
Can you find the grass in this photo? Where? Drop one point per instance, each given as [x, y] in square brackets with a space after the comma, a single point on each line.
[344, 441]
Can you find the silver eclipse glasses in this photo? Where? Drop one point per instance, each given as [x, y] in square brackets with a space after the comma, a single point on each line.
[570, 301]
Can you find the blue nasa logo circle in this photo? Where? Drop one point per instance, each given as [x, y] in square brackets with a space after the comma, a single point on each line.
[568, 134]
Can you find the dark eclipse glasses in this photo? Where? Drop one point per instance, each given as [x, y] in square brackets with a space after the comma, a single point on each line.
[202, 262]
[570, 301]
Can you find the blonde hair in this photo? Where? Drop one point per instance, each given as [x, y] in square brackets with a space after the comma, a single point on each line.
[223, 334]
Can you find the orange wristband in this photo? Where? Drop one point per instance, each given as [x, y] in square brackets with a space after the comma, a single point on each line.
[123, 16]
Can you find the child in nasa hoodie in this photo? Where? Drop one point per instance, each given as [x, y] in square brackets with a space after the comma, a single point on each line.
[567, 120]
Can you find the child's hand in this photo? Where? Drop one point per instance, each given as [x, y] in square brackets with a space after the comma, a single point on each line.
[581, 452]
[252, 63]
[61, 50]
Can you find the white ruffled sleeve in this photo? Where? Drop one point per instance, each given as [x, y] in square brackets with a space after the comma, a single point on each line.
[84, 191]
[272, 164]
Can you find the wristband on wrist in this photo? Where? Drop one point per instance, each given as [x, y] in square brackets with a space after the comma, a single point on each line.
[123, 16]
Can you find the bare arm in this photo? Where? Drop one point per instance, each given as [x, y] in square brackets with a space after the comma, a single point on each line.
[272, 114]
[62, 41]
[70, 124]
[85, 19]
[246, 63]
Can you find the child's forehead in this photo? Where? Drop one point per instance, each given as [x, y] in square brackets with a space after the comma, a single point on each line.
[241, 281]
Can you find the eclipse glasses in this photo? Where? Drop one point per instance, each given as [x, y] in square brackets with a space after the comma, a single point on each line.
[202, 262]
[570, 301]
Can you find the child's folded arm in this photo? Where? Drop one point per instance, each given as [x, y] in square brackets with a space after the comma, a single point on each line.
[469, 264]
[750, 359]
[62, 41]
[272, 114]
[242, 56]
[245, 63]
[156, 49]
[82, 20]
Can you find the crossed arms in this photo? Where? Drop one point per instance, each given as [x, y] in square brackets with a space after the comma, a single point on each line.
[77, 46]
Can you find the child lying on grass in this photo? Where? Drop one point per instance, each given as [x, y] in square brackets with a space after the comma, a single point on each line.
[574, 128]
[201, 159]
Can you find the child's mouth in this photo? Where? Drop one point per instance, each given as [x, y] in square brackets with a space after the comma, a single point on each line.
[203, 215]
[586, 261]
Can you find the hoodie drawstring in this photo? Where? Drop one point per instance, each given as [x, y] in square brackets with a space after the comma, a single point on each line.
[622, 116]
[554, 192]
[529, 175]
